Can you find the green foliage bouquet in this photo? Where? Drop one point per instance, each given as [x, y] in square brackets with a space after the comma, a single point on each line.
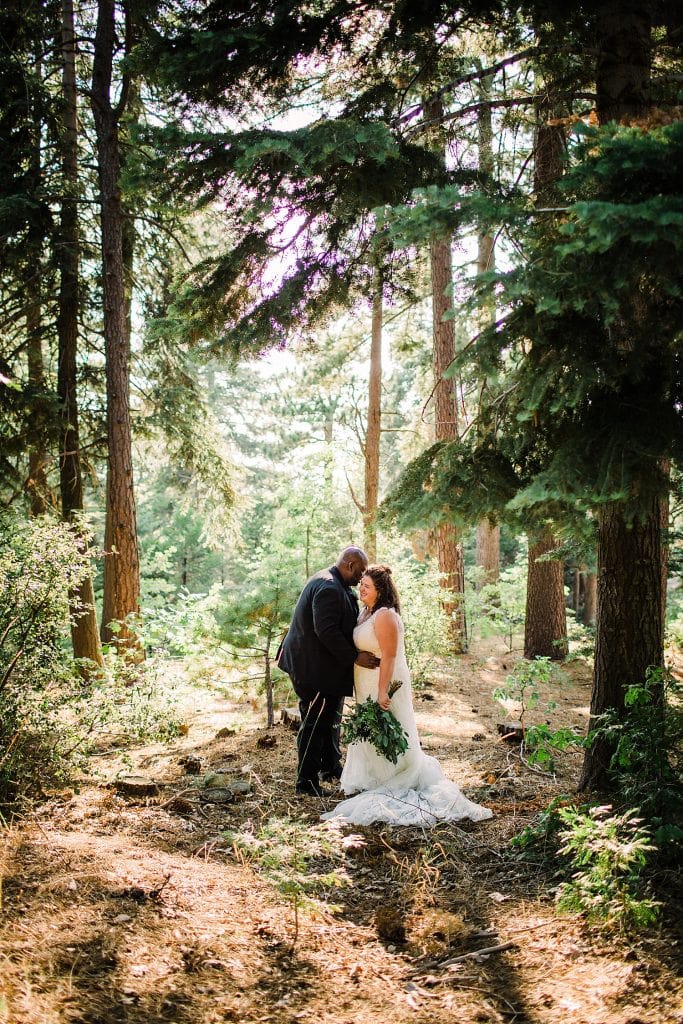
[370, 723]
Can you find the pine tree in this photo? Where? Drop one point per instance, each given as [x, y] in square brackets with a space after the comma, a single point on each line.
[629, 634]
[589, 413]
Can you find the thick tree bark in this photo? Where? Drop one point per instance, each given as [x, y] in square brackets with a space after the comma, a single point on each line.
[374, 429]
[122, 572]
[629, 625]
[624, 60]
[84, 632]
[545, 625]
[576, 590]
[629, 628]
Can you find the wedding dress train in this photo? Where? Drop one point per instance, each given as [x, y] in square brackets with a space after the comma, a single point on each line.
[412, 792]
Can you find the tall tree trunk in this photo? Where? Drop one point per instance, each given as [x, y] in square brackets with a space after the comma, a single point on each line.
[488, 533]
[84, 632]
[448, 541]
[448, 544]
[545, 625]
[374, 428]
[576, 589]
[622, 75]
[121, 570]
[629, 626]
[36, 484]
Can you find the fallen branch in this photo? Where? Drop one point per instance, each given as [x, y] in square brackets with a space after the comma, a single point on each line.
[420, 971]
[478, 952]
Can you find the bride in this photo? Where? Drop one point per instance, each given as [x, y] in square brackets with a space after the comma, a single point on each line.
[414, 791]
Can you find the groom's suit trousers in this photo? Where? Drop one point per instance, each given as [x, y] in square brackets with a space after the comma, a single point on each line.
[318, 737]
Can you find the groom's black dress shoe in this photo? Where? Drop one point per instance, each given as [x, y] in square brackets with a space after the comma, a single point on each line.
[311, 788]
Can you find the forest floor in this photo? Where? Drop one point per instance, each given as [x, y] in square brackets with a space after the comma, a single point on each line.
[173, 908]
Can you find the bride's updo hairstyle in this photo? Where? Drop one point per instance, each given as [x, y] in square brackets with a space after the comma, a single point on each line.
[387, 594]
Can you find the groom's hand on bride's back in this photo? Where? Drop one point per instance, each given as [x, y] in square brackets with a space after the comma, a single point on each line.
[366, 659]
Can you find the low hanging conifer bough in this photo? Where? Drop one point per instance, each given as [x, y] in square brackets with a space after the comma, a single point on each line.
[370, 723]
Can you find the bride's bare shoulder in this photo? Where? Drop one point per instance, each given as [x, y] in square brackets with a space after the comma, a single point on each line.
[386, 616]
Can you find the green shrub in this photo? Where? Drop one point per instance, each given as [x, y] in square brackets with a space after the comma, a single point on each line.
[182, 625]
[601, 859]
[498, 609]
[539, 841]
[611, 852]
[647, 764]
[40, 561]
[49, 715]
[540, 743]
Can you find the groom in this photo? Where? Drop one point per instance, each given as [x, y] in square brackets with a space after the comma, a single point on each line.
[319, 655]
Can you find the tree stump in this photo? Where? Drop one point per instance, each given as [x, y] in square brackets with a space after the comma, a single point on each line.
[136, 785]
[511, 732]
[291, 717]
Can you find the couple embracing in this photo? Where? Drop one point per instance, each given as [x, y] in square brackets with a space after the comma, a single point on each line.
[331, 652]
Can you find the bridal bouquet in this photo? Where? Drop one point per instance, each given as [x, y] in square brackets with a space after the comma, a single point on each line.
[370, 723]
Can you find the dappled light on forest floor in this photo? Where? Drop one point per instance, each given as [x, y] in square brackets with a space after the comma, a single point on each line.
[176, 908]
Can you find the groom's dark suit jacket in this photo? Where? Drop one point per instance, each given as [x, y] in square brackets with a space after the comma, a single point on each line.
[318, 651]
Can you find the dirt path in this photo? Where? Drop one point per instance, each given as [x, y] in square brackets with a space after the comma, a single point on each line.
[165, 908]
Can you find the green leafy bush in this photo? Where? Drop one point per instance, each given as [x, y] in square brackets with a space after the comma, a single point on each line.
[182, 625]
[542, 743]
[647, 764]
[523, 688]
[610, 852]
[498, 609]
[49, 714]
[303, 862]
[40, 561]
[600, 857]
[539, 841]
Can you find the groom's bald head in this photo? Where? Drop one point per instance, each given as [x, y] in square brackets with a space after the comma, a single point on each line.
[351, 564]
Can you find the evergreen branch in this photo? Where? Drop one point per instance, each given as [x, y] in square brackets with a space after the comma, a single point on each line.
[473, 108]
[531, 51]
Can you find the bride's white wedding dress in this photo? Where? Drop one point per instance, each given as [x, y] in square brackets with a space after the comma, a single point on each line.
[412, 792]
